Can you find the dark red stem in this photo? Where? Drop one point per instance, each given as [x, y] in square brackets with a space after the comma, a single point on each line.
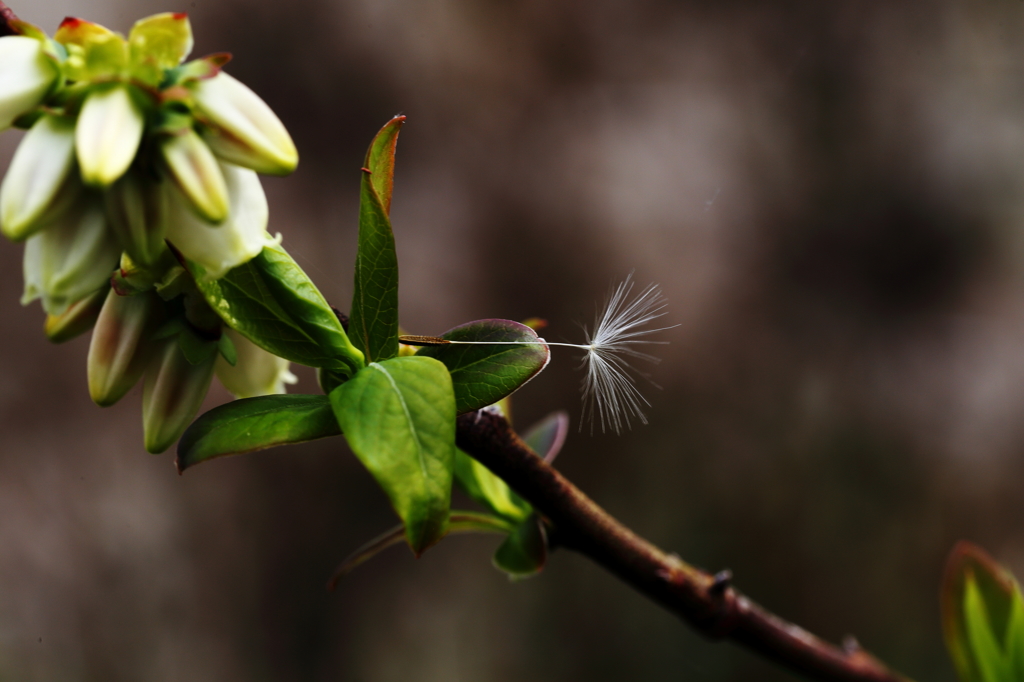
[709, 603]
[6, 17]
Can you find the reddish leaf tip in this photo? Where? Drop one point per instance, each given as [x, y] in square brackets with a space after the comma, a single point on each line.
[71, 22]
[178, 16]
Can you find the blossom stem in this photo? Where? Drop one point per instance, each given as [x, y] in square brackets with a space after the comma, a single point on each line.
[709, 603]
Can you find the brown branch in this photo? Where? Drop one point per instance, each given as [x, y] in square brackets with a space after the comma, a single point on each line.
[709, 603]
[6, 17]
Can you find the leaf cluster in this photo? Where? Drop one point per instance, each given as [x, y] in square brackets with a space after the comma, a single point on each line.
[395, 407]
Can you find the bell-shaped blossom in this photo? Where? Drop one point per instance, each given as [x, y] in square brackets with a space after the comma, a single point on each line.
[27, 74]
[242, 129]
[137, 208]
[70, 259]
[172, 394]
[120, 348]
[77, 319]
[107, 135]
[218, 248]
[39, 185]
[196, 172]
[256, 372]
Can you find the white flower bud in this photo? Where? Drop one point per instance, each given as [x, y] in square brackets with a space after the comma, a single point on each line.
[107, 135]
[241, 237]
[119, 352]
[243, 129]
[197, 174]
[69, 259]
[256, 372]
[172, 394]
[39, 185]
[26, 75]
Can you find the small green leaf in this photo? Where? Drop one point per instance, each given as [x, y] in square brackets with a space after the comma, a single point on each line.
[982, 609]
[525, 551]
[1015, 639]
[458, 522]
[196, 350]
[253, 424]
[490, 491]
[484, 374]
[160, 41]
[227, 349]
[380, 160]
[399, 419]
[988, 656]
[274, 304]
[374, 314]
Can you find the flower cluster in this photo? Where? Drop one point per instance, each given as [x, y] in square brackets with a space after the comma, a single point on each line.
[130, 149]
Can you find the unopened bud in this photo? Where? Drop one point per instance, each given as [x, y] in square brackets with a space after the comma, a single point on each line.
[172, 395]
[107, 135]
[77, 319]
[39, 185]
[26, 75]
[137, 207]
[242, 129]
[120, 350]
[196, 172]
[241, 237]
[256, 372]
[69, 259]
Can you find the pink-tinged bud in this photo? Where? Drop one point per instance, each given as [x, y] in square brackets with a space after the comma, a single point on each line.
[243, 130]
[77, 319]
[239, 238]
[26, 75]
[39, 186]
[172, 395]
[137, 208]
[107, 135]
[256, 372]
[120, 350]
[196, 172]
[70, 259]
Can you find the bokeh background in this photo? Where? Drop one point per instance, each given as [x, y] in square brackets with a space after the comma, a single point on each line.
[831, 196]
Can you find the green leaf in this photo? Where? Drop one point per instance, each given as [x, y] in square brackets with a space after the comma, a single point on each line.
[159, 42]
[489, 490]
[399, 419]
[374, 313]
[227, 350]
[458, 522]
[1014, 644]
[380, 161]
[274, 304]
[524, 551]
[989, 659]
[253, 424]
[196, 350]
[484, 374]
[980, 619]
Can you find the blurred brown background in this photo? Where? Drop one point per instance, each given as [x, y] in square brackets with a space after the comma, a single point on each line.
[830, 194]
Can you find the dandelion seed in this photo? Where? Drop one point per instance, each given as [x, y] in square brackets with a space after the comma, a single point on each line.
[610, 395]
